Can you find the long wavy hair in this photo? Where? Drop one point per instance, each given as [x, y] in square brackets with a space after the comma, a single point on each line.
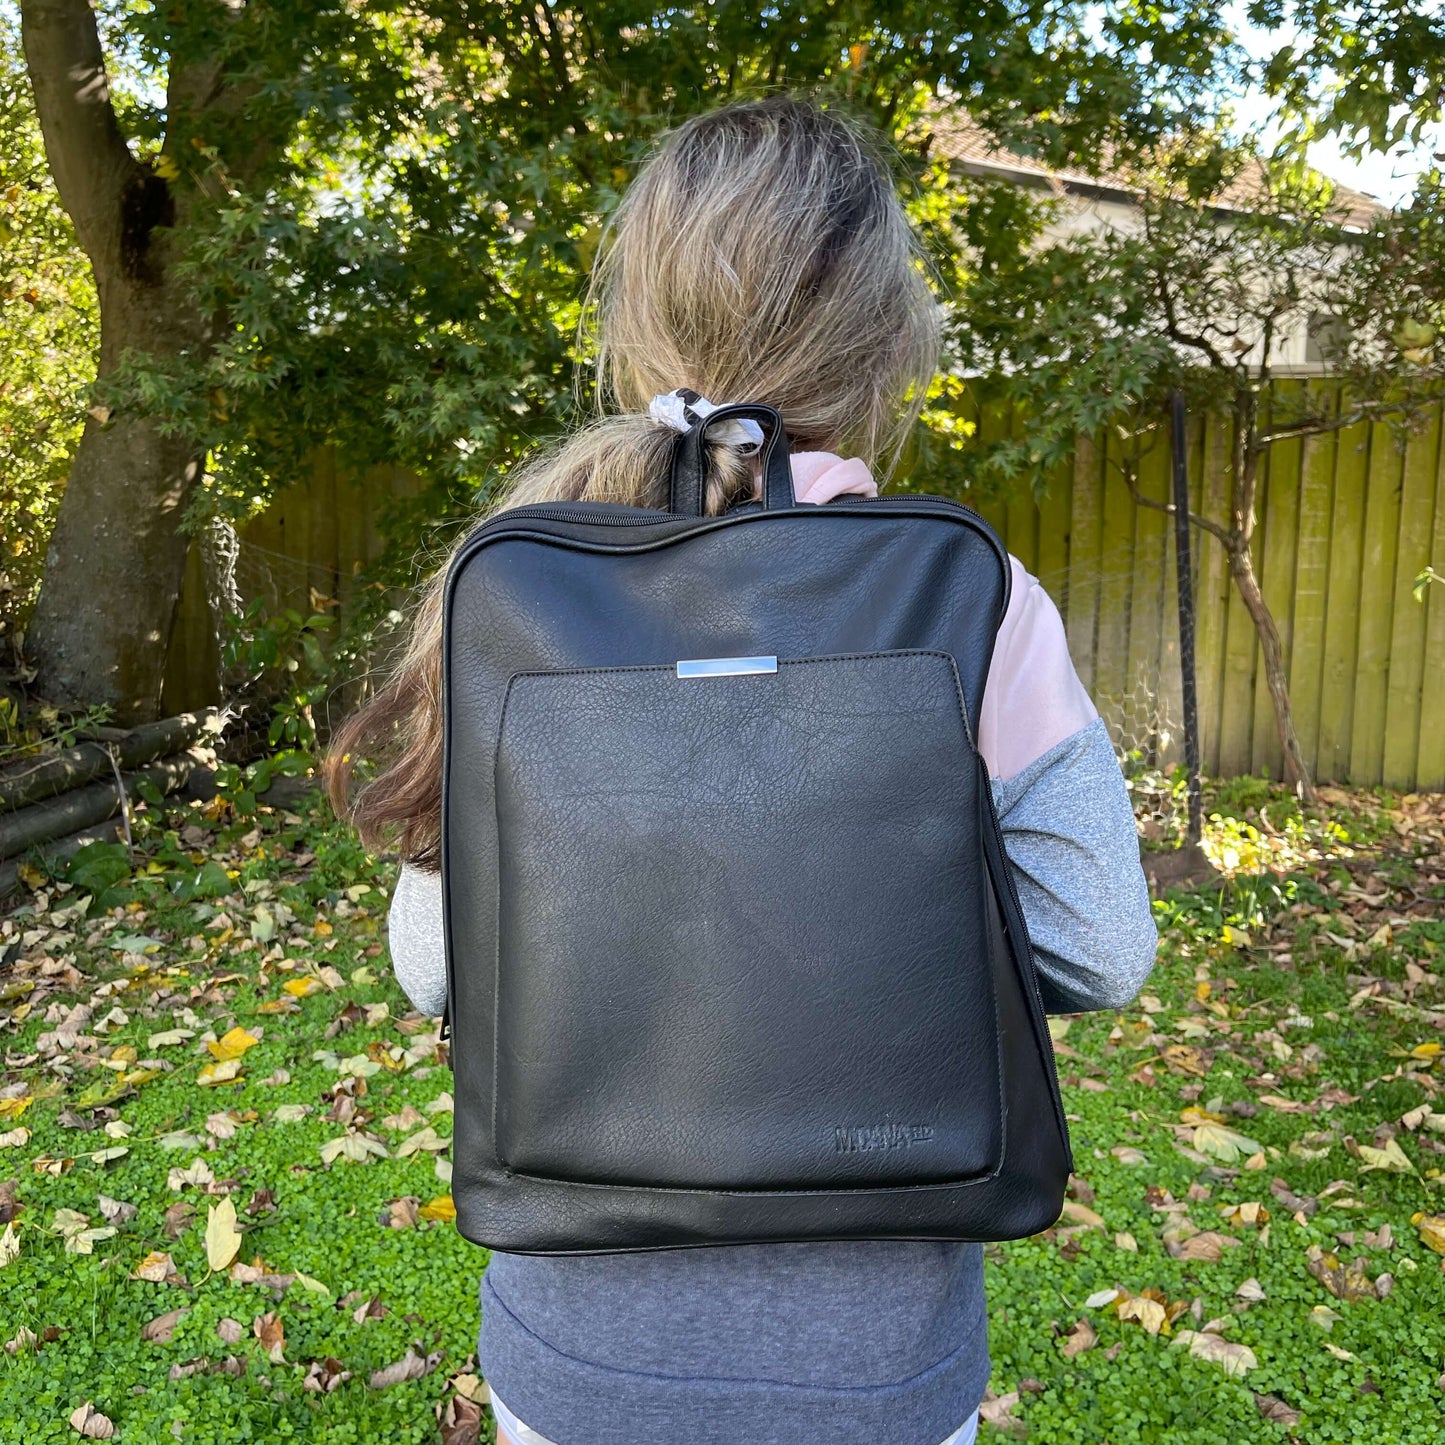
[761, 254]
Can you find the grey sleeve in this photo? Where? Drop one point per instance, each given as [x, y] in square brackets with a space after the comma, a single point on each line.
[1068, 827]
[414, 929]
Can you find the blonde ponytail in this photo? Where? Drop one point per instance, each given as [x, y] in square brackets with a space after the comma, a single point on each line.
[761, 254]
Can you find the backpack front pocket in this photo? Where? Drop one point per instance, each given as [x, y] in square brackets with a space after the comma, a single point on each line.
[742, 928]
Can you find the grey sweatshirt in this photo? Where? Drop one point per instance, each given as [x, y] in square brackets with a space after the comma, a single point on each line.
[828, 1343]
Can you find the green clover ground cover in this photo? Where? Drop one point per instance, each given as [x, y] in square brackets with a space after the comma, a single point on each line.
[224, 1135]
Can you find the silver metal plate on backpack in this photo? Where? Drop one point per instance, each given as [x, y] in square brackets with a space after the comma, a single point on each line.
[726, 666]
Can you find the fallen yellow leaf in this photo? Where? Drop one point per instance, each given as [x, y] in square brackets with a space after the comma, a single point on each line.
[1391, 1158]
[1250, 1213]
[1432, 1230]
[1345, 1281]
[1146, 1312]
[1186, 1059]
[1223, 1143]
[223, 1239]
[225, 1072]
[233, 1044]
[158, 1268]
[441, 1207]
[302, 987]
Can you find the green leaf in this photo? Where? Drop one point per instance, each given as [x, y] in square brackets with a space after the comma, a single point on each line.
[208, 881]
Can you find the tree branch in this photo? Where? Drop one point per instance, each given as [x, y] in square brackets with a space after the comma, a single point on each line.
[1177, 333]
[89, 157]
[1203, 522]
[1322, 425]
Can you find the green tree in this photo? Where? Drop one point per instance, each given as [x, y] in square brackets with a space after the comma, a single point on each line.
[1092, 330]
[369, 224]
[1372, 73]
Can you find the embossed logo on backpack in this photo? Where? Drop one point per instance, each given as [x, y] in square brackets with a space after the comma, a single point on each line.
[849, 1140]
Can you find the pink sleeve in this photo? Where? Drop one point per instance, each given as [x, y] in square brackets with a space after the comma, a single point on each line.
[1033, 698]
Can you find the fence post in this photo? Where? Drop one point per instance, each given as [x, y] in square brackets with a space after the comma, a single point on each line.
[1184, 572]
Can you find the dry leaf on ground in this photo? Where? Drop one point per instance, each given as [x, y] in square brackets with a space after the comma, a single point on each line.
[1147, 1313]
[271, 1332]
[232, 1044]
[1273, 1409]
[460, 1422]
[1391, 1157]
[323, 1376]
[997, 1411]
[1432, 1230]
[88, 1421]
[1235, 1359]
[158, 1268]
[159, 1330]
[411, 1366]
[1344, 1281]
[1081, 1214]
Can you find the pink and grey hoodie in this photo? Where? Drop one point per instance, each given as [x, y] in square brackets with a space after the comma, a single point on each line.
[844, 1343]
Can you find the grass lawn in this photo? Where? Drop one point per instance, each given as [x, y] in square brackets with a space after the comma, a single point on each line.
[227, 1214]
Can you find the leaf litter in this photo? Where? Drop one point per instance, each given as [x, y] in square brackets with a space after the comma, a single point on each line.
[1213, 1103]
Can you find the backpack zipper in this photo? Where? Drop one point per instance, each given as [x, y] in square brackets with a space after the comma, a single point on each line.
[614, 514]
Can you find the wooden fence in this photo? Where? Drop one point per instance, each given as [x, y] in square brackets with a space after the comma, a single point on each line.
[303, 552]
[1346, 523]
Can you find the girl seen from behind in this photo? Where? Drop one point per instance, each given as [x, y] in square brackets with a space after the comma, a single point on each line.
[762, 255]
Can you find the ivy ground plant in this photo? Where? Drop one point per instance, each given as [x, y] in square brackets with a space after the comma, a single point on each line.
[225, 1207]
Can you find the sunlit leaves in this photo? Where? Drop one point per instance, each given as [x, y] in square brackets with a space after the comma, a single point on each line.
[1373, 73]
[50, 322]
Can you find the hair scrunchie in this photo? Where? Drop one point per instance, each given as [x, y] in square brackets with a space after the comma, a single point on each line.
[683, 409]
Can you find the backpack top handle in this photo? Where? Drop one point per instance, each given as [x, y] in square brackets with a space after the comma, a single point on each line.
[689, 471]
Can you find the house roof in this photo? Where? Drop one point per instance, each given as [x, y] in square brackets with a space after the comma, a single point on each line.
[958, 137]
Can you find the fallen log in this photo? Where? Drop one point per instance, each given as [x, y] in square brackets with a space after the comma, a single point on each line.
[26, 783]
[90, 804]
[54, 851]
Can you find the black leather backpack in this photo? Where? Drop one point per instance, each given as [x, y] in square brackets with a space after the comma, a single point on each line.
[733, 949]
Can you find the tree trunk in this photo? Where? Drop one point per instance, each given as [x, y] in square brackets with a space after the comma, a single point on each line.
[1241, 564]
[116, 560]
